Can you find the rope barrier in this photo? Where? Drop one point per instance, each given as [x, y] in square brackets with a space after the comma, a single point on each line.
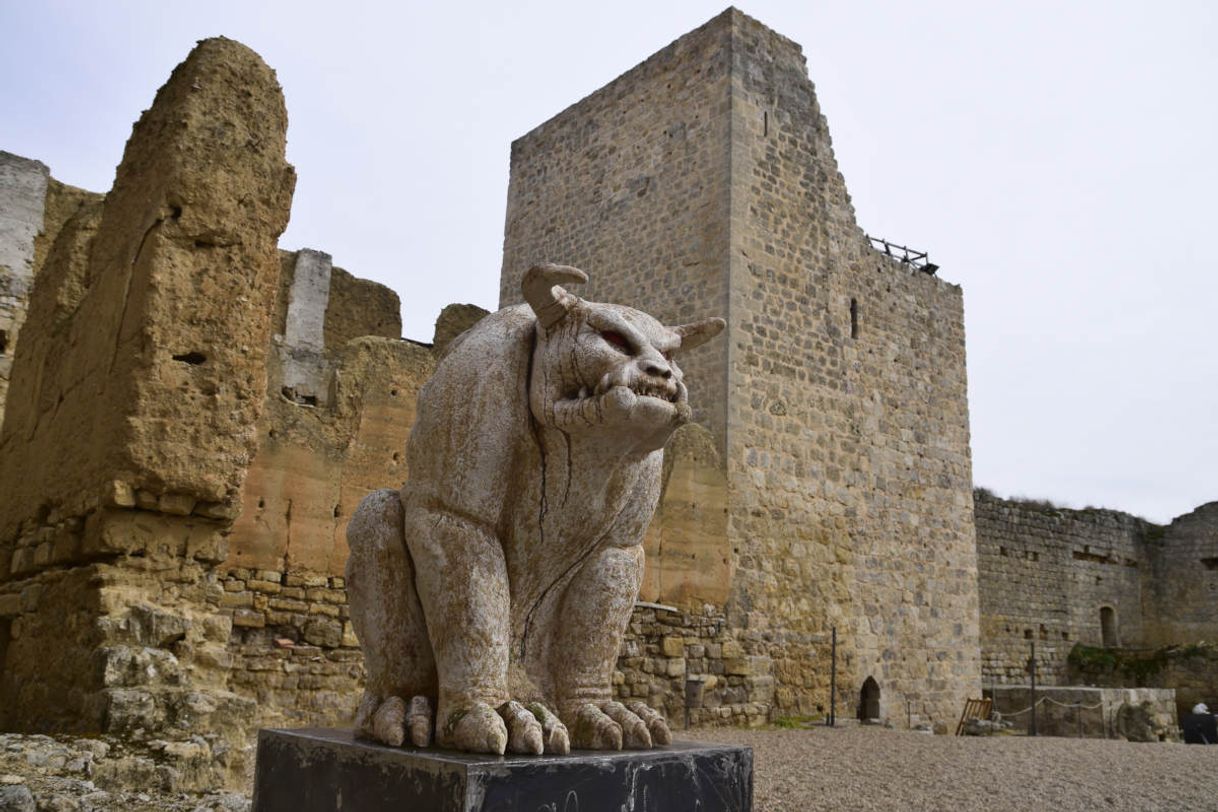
[1043, 700]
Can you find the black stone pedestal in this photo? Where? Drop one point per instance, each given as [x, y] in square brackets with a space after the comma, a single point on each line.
[319, 770]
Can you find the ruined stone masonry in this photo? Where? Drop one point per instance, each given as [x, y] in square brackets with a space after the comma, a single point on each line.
[192, 416]
[1108, 598]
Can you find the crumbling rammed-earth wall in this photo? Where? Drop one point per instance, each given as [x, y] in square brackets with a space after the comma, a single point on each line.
[702, 182]
[136, 388]
[192, 417]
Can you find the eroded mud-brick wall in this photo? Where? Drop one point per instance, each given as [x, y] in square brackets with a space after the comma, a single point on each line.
[136, 389]
[702, 182]
[338, 411]
[34, 208]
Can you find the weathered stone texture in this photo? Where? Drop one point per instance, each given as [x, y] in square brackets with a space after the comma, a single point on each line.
[137, 387]
[360, 307]
[23, 192]
[689, 556]
[691, 665]
[1136, 714]
[1046, 574]
[631, 184]
[1183, 582]
[154, 378]
[454, 320]
[316, 462]
[705, 178]
[32, 200]
[1190, 670]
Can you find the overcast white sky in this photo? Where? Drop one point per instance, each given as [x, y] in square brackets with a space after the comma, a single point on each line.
[1056, 159]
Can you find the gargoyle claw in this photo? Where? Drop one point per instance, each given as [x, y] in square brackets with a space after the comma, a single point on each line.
[612, 726]
[524, 729]
[553, 731]
[475, 728]
[392, 720]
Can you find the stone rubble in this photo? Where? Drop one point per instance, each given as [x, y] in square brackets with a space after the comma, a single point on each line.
[78, 774]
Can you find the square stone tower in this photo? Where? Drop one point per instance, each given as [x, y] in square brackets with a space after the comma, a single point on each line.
[703, 182]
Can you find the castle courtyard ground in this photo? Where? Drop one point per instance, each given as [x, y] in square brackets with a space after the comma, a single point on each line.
[847, 768]
[858, 768]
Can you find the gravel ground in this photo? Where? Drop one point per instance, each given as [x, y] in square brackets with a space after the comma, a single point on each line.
[874, 768]
[843, 768]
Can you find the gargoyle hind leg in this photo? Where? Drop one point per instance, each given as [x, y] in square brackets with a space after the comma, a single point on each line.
[463, 586]
[595, 612]
[388, 620]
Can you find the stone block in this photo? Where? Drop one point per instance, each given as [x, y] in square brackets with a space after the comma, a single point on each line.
[329, 769]
[249, 619]
[10, 604]
[178, 504]
[323, 631]
[673, 647]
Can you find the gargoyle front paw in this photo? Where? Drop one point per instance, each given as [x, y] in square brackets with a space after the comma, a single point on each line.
[533, 730]
[553, 732]
[472, 728]
[511, 728]
[612, 726]
[390, 721]
[657, 725]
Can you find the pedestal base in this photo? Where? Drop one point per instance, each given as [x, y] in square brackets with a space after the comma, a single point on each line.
[315, 769]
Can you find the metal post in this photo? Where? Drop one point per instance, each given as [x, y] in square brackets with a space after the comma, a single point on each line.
[1032, 671]
[833, 682]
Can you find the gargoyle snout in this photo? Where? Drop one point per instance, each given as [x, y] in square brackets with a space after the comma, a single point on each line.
[657, 369]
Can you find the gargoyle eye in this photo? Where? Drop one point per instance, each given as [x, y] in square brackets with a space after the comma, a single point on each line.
[667, 355]
[616, 339]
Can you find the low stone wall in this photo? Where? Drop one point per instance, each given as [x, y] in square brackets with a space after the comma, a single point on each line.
[1139, 714]
[692, 667]
[293, 649]
[1191, 671]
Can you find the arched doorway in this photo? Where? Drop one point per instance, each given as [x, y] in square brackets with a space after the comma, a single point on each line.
[1108, 627]
[869, 699]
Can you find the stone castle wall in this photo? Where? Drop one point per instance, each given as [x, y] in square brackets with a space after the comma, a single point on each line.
[853, 436]
[1182, 589]
[702, 182]
[1191, 671]
[194, 414]
[1047, 575]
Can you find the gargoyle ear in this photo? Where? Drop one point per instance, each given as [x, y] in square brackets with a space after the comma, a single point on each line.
[539, 288]
[698, 332]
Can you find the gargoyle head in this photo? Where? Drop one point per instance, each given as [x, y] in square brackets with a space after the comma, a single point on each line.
[606, 367]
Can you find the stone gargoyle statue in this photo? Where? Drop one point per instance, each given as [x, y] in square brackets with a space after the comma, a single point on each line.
[490, 594]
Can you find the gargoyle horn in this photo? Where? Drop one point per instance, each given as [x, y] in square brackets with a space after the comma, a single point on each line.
[538, 287]
[698, 332]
